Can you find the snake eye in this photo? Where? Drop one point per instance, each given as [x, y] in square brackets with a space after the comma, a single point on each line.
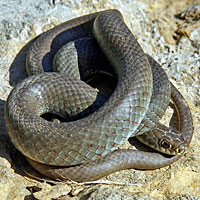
[179, 150]
[165, 144]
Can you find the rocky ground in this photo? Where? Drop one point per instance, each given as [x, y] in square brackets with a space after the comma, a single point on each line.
[167, 30]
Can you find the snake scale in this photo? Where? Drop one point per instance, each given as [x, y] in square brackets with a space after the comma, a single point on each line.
[91, 142]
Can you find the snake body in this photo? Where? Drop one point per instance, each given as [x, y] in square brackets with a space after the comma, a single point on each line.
[131, 159]
[95, 138]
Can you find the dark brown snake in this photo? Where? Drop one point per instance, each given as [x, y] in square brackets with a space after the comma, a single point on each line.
[92, 141]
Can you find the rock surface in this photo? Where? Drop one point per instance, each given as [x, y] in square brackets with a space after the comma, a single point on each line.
[168, 31]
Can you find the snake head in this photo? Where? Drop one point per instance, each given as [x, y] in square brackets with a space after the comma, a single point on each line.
[164, 139]
[175, 147]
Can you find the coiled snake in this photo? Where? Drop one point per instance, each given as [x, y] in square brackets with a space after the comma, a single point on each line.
[93, 140]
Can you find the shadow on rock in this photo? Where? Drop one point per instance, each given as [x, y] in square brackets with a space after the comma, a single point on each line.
[18, 67]
[4, 139]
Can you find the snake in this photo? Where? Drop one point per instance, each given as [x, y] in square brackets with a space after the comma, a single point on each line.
[86, 148]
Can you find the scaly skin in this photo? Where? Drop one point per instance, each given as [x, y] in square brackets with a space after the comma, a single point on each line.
[97, 136]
